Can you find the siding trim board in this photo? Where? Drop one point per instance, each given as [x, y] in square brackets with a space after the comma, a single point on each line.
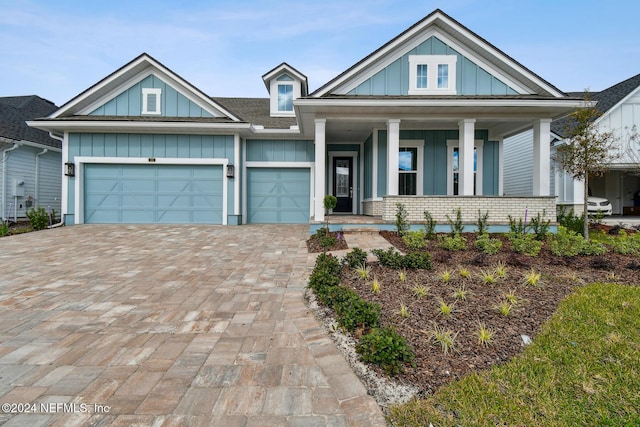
[80, 161]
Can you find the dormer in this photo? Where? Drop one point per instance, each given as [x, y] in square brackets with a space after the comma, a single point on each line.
[284, 84]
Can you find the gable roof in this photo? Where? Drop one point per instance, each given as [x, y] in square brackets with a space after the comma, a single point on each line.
[16, 110]
[117, 81]
[285, 68]
[606, 100]
[441, 23]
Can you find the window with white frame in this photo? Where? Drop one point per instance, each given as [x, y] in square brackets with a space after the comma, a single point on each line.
[284, 89]
[453, 168]
[410, 166]
[285, 97]
[151, 101]
[432, 74]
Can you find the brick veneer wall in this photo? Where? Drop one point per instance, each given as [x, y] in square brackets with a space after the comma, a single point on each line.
[499, 207]
[372, 207]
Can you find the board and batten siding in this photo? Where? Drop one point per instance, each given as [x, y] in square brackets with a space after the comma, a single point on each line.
[622, 119]
[146, 146]
[470, 78]
[129, 102]
[279, 150]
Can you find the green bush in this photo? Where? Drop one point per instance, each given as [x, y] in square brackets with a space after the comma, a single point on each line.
[402, 225]
[386, 348]
[539, 226]
[525, 244]
[393, 259]
[626, 244]
[326, 274]
[415, 240]
[516, 227]
[354, 312]
[457, 242]
[4, 228]
[488, 245]
[483, 222]
[355, 258]
[571, 221]
[38, 218]
[429, 226]
[565, 242]
[456, 224]
[591, 247]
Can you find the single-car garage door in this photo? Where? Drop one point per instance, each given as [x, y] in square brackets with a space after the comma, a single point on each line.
[279, 196]
[170, 194]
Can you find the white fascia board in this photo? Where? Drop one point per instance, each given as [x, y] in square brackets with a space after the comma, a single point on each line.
[36, 145]
[262, 130]
[621, 102]
[146, 127]
[432, 102]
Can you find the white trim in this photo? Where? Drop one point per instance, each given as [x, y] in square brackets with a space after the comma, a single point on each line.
[453, 143]
[273, 92]
[236, 184]
[360, 186]
[64, 209]
[137, 126]
[320, 151]
[500, 166]
[277, 165]
[80, 161]
[432, 62]
[419, 144]
[354, 161]
[393, 153]
[157, 93]
[374, 168]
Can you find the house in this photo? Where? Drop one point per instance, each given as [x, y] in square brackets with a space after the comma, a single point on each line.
[420, 121]
[31, 159]
[619, 106]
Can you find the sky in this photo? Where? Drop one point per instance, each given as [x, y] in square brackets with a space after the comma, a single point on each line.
[57, 49]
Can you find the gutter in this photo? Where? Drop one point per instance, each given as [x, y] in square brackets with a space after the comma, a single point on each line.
[4, 179]
[61, 139]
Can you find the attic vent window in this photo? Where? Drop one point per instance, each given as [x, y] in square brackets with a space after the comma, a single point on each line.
[151, 101]
[432, 74]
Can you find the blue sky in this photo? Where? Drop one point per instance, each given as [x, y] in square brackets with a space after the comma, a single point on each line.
[57, 49]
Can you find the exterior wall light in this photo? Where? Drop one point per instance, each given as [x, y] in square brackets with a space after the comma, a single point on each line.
[69, 169]
[230, 171]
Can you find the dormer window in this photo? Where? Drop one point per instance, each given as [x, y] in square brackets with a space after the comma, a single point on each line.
[432, 74]
[285, 93]
[285, 84]
[151, 101]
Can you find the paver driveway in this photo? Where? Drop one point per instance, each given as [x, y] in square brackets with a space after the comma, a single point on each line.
[168, 325]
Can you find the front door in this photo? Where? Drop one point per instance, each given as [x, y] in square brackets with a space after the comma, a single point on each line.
[343, 184]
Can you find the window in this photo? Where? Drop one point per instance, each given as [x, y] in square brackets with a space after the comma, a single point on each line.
[453, 168]
[432, 74]
[151, 101]
[285, 97]
[408, 171]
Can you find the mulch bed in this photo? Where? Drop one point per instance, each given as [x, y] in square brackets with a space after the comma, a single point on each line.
[314, 244]
[560, 275]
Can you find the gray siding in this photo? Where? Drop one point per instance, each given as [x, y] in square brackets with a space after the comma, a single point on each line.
[518, 164]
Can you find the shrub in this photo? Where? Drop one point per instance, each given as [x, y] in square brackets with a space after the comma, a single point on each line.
[540, 227]
[354, 258]
[429, 226]
[525, 244]
[456, 224]
[386, 348]
[393, 259]
[626, 244]
[483, 222]
[354, 312]
[4, 228]
[516, 227]
[457, 242]
[326, 274]
[38, 218]
[565, 242]
[591, 247]
[402, 226]
[488, 245]
[571, 221]
[415, 240]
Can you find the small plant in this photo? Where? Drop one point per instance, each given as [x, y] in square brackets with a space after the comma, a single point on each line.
[355, 258]
[488, 277]
[525, 244]
[375, 286]
[415, 240]
[363, 271]
[501, 270]
[516, 227]
[488, 245]
[420, 291]
[483, 222]
[429, 226]
[511, 297]
[386, 348]
[404, 311]
[402, 226]
[484, 335]
[571, 221]
[4, 228]
[38, 218]
[626, 244]
[532, 278]
[394, 259]
[456, 224]
[445, 309]
[402, 275]
[446, 276]
[464, 272]
[540, 227]
[461, 293]
[456, 242]
[504, 308]
[330, 202]
[591, 247]
[565, 242]
[444, 337]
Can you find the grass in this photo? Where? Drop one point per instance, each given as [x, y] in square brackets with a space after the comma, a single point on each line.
[582, 369]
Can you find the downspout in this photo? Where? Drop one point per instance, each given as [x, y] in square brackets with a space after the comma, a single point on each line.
[4, 179]
[61, 207]
[37, 193]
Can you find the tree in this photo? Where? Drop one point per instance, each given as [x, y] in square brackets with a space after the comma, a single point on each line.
[588, 149]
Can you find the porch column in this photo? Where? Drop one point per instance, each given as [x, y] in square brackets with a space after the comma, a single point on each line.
[467, 129]
[320, 169]
[541, 157]
[393, 156]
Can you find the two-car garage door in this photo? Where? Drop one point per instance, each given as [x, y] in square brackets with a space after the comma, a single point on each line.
[143, 193]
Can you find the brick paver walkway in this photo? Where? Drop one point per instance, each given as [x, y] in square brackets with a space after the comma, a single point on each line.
[168, 326]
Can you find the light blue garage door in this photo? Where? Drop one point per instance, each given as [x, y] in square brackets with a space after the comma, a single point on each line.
[170, 194]
[278, 196]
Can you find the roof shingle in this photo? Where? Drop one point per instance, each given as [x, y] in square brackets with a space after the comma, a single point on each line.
[16, 110]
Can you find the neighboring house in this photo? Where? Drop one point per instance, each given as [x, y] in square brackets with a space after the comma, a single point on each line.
[419, 121]
[31, 163]
[620, 108]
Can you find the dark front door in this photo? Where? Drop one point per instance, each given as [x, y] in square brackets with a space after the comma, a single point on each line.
[343, 183]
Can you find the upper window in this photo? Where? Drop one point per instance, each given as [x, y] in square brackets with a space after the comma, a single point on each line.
[285, 97]
[432, 74]
[151, 101]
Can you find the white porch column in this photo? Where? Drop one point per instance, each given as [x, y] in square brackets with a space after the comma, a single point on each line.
[467, 129]
[320, 169]
[541, 157]
[393, 156]
[501, 166]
